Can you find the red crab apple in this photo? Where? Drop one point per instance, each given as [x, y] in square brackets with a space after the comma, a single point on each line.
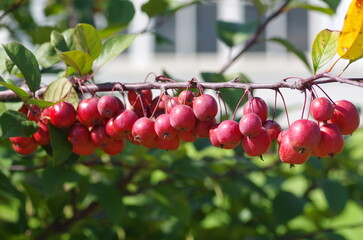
[62, 115]
[258, 145]
[108, 106]
[143, 130]
[228, 132]
[321, 109]
[163, 127]
[304, 135]
[250, 125]
[346, 116]
[258, 106]
[331, 141]
[78, 134]
[182, 118]
[87, 112]
[205, 107]
[288, 154]
[145, 95]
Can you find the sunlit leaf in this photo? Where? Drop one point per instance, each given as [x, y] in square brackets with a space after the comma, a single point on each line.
[324, 48]
[113, 47]
[81, 61]
[61, 89]
[25, 60]
[58, 42]
[350, 43]
[21, 93]
[46, 55]
[87, 40]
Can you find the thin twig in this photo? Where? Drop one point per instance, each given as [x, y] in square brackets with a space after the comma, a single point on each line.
[253, 39]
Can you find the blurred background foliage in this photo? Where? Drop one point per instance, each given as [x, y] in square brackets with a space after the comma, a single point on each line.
[196, 192]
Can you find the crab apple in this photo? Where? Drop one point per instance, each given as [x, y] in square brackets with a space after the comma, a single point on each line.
[169, 145]
[163, 127]
[250, 125]
[108, 106]
[143, 130]
[124, 121]
[202, 127]
[258, 145]
[304, 135]
[228, 132]
[88, 114]
[186, 97]
[34, 113]
[331, 141]
[25, 149]
[321, 109]
[62, 115]
[273, 128]
[114, 147]
[85, 149]
[288, 155]
[182, 118]
[111, 131]
[170, 104]
[189, 136]
[41, 136]
[205, 107]
[142, 112]
[78, 134]
[215, 142]
[22, 141]
[346, 116]
[150, 144]
[133, 141]
[99, 136]
[145, 94]
[256, 105]
[158, 103]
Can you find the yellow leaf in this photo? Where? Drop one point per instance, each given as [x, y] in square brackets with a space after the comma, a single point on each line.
[350, 43]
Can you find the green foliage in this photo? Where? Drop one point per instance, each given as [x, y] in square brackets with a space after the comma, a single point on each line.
[324, 48]
[196, 192]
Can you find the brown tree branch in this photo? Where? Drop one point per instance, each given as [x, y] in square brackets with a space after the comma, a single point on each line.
[253, 39]
[298, 84]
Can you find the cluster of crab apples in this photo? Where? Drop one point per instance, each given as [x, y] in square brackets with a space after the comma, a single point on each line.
[165, 121]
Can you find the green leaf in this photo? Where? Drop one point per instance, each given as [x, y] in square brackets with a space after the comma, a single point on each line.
[68, 38]
[26, 62]
[40, 103]
[110, 200]
[335, 194]
[58, 42]
[61, 147]
[324, 48]
[160, 39]
[120, 12]
[155, 7]
[46, 55]
[110, 30]
[15, 124]
[61, 89]
[325, 10]
[86, 39]
[287, 206]
[333, 4]
[233, 34]
[300, 54]
[81, 61]
[175, 6]
[113, 47]
[21, 93]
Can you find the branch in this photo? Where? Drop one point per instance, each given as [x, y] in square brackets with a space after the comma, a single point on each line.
[253, 39]
[12, 8]
[299, 84]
